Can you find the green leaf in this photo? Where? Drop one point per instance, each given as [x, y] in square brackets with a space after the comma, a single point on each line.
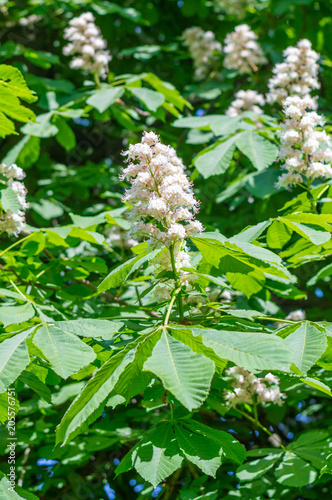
[293, 471]
[14, 358]
[278, 234]
[322, 273]
[11, 106]
[65, 136]
[260, 151]
[250, 350]
[14, 315]
[198, 449]
[89, 404]
[216, 159]
[152, 100]
[95, 328]
[121, 273]
[42, 128]
[308, 343]
[232, 449]
[25, 152]
[186, 374]
[104, 98]
[327, 469]
[9, 492]
[66, 353]
[156, 457]
[316, 236]
[312, 446]
[9, 200]
[256, 468]
[317, 384]
[32, 381]
[249, 283]
[12, 80]
[7, 127]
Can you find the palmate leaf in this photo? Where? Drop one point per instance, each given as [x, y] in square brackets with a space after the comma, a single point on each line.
[310, 232]
[308, 343]
[278, 234]
[293, 471]
[256, 468]
[12, 80]
[201, 451]
[95, 328]
[4, 406]
[313, 446]
[9, 200]
[260, 151]
[232, 449]
[216, 159]
[14, 357]
[152, 99]
[156, 456]
[7, 127]
[186, 374]
[89, 404]
[249, 350]
[104, 98]
[66, 353]
[121, 273]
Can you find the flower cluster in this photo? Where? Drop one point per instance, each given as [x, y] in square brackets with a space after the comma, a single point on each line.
[236, 8]
[298, 315]
[305, 152]
[87, 44]
[297, 75]
[161, 194]
[116, 237]
[13, 223]
[203, 48]
[243, 53]
[246, 100]
[248, 388]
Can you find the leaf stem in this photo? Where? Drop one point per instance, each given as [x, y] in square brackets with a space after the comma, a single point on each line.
[261, 426]
[177, 281]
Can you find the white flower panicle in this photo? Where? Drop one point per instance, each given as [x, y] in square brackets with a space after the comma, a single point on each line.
[14, 223]
[242, 50]
[161, 194]
[203, 48]
[298, 315]
[248, 388]
[236, 8]
[87, 45]
[297, 75]
[306, 153]
[246, 100]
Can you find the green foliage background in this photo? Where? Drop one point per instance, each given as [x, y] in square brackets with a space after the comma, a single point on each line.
[59, 324]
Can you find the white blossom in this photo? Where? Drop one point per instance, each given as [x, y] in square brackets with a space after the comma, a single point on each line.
[249, 389]
[243, 53]
[306, 153]
[296, 75]
[87, 45]
[204, 50]
[236, 8]
[246, 100]
[298, 315]
[161, 194]
[13, 223]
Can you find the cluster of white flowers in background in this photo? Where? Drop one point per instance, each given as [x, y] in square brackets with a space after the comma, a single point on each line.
[246, 100]
[248, 388]
[242, 50]
[87, 44]
[297, 75]
[236, 8]
[298, 315]
[305, 152]
[116, 237]
[203, 47]
[11, 222]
